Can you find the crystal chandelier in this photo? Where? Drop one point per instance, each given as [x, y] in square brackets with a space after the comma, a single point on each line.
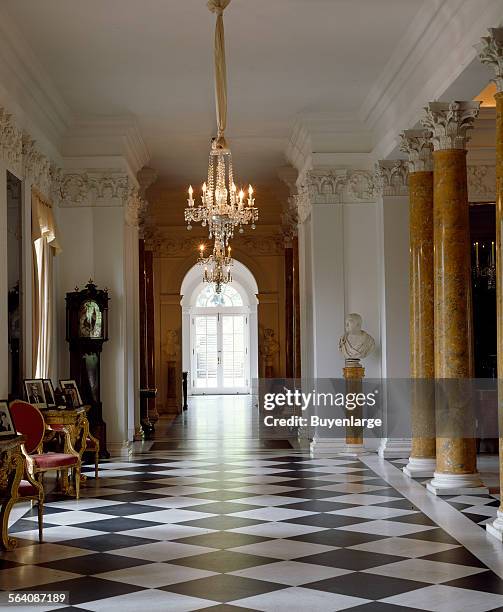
[217, 266]
[222, 208]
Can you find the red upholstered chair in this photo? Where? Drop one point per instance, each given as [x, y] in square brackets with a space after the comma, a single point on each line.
[31, 490]
[29, 421]
[93, 446]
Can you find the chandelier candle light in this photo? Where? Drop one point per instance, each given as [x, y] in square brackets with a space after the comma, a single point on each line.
[222, 208]
[217, 266]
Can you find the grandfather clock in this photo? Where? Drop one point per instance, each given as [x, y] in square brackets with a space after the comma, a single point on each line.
[86, 331]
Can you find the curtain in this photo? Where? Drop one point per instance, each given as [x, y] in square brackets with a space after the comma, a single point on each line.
[45, 246]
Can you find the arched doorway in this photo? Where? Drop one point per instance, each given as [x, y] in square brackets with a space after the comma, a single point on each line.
[220, 333]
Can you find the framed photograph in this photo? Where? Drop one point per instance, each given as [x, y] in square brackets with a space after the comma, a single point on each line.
[7, 428]
[35, 394]
[71, 392]
[50, 398]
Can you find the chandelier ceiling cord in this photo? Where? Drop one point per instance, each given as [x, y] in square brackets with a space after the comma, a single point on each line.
[222, 207]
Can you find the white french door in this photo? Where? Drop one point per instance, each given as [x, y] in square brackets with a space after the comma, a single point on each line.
[220, 353]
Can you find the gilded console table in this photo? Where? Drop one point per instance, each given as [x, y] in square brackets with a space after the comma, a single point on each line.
[75, 422]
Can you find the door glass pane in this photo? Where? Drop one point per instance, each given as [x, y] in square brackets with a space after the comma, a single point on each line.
[205, 352]
[233, 351]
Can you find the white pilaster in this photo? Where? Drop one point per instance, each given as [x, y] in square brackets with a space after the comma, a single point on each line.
[393, 211]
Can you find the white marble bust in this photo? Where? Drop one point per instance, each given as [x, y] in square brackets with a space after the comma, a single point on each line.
[355, 344]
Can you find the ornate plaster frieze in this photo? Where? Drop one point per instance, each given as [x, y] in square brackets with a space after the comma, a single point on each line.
[490, 50]
[11, 143]
[337, 186]
[290, 220]
[419, 147]
[178, 246]
[392, 176]
[36, 166]
[449, 123]
[482, 183]
[94, 188]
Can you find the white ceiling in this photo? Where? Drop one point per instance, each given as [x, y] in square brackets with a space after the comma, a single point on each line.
[153, 59]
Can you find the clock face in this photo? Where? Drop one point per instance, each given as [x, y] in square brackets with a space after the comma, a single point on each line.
[90, 320]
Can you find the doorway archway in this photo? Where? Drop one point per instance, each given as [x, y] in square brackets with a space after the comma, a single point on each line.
[220, 333]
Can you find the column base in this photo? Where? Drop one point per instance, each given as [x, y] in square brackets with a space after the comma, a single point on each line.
[420, 467]
[456, 484]
[496, 527]
[336, 446]
[395, 448]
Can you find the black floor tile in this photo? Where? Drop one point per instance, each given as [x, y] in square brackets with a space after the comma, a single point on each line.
[460, 556]
[223, 588]
[88, 588]
[317, 505]
[222, 539]
[433, 535]
[223, 561]
[133, 496]
[350, 559]
[368, 586]
[338, 537]
[108, 541]
[94, 564]
[331, 521]
[125, 509]
[115, 524]
[222, 522]
[488, 582]
[222, 507]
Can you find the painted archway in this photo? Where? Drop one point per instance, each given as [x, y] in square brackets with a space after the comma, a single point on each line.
[195, 307]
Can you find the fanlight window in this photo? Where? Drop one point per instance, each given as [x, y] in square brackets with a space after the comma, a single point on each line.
[208, 298]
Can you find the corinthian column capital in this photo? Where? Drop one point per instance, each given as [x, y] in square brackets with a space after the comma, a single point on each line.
[419, 147]
[490, 50]
[449, 123]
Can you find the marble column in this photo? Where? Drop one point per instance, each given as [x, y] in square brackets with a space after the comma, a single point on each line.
[456, 465]
[491, 53]
[417, 144]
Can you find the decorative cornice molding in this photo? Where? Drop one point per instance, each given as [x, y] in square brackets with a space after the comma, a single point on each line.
[449, 123]
[490, 50]
[482, 183]
[392, 176]
[419, 147]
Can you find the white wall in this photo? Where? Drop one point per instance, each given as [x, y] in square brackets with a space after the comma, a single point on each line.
[97, 244]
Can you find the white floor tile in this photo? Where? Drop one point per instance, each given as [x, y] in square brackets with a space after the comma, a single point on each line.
[151, 600]
[371, 512]
[161, 551]
[423, 570]
[364, 500]
[293, 573]
[60, 533]
[278, 530]
[166, 532]
[439, 598]
[155, 575]
[272, 514]
[298, 599]
[283, 549]
[172, 515]
[386, 528]
[404, 547]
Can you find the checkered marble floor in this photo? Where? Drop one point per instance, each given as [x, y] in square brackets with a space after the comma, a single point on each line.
[272, 531]
[480, 509]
